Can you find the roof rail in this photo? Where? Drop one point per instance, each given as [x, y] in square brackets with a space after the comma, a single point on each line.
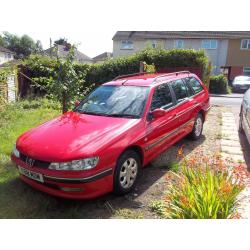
[128, 75]
[144, 73]
[172, 73]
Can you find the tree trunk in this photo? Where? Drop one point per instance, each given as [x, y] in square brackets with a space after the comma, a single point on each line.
[64, 103]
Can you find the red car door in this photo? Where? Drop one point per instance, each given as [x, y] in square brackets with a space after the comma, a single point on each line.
[160, 132]
[199, 96]
[184, 107]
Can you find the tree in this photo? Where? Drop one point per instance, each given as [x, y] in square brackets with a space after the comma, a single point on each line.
[68, 83]
[22, 46]
[61, 41]
[2, 43]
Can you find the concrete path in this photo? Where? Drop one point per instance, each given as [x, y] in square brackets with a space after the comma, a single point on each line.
[230, 144]
[231, 149]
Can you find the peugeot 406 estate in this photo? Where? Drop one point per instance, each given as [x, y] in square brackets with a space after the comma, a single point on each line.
[103, 144]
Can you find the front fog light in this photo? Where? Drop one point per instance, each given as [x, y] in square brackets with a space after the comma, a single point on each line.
[15, 152]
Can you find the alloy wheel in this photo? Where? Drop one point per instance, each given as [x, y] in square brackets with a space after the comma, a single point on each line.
[128, 173]
[198, 126]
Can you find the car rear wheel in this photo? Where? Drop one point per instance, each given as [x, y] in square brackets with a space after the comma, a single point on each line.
[198, 127]
[241, 130]
[126, 172]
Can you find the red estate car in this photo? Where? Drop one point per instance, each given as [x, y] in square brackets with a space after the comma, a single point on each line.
[119, 128]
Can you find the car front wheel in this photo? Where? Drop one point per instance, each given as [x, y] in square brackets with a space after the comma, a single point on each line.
[126, 172]
[198, 127]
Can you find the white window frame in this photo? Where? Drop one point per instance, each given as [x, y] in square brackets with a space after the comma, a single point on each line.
[248, 44]
[176, 44]
[210, 43]
[246, 70]
[154, 44]
[127, 42]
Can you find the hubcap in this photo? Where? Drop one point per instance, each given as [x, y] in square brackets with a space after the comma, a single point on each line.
[198, 126]
[128, 173]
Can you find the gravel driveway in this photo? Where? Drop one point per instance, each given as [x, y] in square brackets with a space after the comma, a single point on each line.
[151, 184]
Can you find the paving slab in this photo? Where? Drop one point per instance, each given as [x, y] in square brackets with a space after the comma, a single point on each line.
[230, 137]
[234, 158]
[228, 128]
[231, 143]
[232, 150]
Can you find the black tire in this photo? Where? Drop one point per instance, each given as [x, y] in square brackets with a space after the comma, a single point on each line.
[241, 130]
[194, 135]
[120, 189]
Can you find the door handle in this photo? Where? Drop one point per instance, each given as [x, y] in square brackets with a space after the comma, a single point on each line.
[172, 116]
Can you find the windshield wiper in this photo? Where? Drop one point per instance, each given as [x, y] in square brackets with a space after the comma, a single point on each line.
[91, 113]
[110, 115]
[124, 115]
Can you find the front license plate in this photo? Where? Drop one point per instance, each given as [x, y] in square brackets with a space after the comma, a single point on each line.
[31, 174]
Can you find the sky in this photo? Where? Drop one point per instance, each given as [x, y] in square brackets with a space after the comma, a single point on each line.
[92, 24]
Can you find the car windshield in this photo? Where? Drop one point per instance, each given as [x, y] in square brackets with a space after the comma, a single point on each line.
[116, 101]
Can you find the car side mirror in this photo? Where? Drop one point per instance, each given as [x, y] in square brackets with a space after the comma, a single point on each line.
[77, 103]
[157, 113]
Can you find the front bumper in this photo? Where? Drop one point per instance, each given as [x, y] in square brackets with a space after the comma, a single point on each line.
[71, 188]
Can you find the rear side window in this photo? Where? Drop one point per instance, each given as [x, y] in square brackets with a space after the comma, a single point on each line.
[161, 98]
[180, 90]
[195, 84]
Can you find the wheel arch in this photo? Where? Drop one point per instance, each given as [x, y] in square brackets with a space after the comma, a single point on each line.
[137, 149]
[202, 112]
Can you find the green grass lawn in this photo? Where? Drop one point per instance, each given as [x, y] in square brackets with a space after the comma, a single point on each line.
[17, 200]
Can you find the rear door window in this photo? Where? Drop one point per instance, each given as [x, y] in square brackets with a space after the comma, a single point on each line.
[180, 90]
[162, 97]
[194, 84]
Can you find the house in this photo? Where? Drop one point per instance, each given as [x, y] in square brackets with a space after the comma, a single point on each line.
[62, 51]
[5, 55]
[102, 57]
[228, 51]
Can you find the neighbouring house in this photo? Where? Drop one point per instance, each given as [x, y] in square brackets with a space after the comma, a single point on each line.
[228, 51]
[62, 51]
[6, 55]
[238, 57]
[102, 57]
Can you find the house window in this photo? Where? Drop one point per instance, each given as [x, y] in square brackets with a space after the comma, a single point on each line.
[7, 55]
[154, 44]
[178, 44]
[245, 44]
[127, 45]
[246, 71]
[209, 44]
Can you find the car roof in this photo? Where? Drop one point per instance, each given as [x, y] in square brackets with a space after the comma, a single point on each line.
[247, 78]
[147, 80]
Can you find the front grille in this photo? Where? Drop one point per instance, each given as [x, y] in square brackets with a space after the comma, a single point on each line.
[37, 163]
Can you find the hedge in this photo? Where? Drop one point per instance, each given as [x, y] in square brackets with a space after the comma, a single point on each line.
[218, 85]
[42, 68]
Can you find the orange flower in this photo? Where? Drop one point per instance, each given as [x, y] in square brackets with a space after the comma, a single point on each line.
[180, 152]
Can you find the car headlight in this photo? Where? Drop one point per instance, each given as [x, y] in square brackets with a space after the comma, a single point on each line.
[83, 164]
[15, 152]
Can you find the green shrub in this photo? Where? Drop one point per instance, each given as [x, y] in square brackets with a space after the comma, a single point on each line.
[43, 69]
[160, 58]
[204, 189]
[219, 85]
